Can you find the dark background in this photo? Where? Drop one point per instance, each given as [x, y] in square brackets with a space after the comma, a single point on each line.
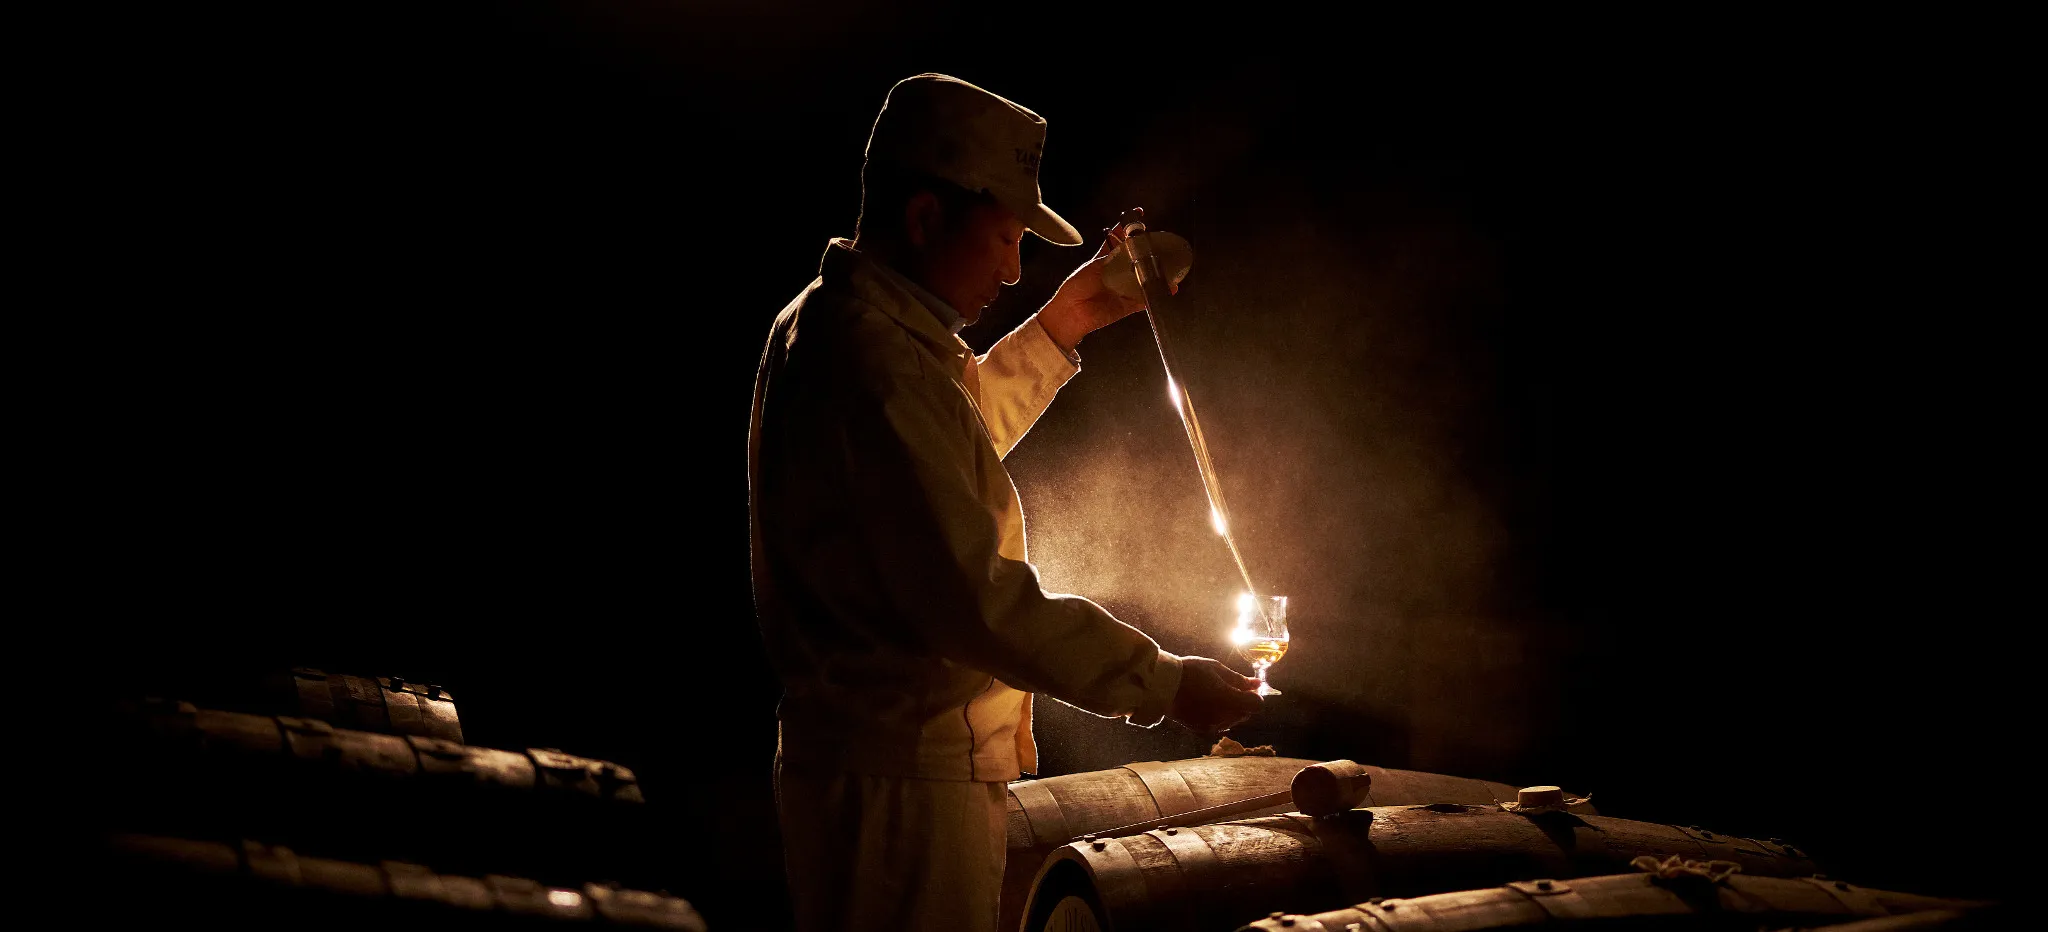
[1559, 380]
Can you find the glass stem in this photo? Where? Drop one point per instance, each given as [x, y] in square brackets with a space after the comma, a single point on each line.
[1262, 676]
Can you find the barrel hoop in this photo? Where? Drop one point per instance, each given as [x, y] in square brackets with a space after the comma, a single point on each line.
[360, 700]
[1194, 857]
[1855, 899]
[1119, 881]
[1377, 916]
[1195, 861]
[1170, 792]
[314, 699]
[1345, 841]
[1048, 822]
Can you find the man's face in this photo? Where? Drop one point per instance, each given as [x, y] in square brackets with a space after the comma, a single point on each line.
[968, 264]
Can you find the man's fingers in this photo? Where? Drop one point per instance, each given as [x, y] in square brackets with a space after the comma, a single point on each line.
[1234, 679]
[1112, 240]
[1224, 674]
[1240, 698]
[1224, 698]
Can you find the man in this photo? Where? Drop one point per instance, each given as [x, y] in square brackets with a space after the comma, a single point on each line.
[888, 542]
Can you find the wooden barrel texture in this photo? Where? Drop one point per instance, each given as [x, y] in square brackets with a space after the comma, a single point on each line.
[164, 882]
[1996, 917]
[385, 704]
[178, 770]
[1216, 876]
[1047, 813]
[1638, 900]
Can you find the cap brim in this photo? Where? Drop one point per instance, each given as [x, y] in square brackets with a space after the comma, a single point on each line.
[1040, 219]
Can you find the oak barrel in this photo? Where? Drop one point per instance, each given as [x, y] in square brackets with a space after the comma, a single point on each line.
[384, 704]
[1638, 899]
[1997, 917]
[1216, 876]
[173, 769]
[175, 882]
[1049, 812]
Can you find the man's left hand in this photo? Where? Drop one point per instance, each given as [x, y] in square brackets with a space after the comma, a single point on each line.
[1084, 304]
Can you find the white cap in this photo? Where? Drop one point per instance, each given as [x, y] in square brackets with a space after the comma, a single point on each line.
[953, 130]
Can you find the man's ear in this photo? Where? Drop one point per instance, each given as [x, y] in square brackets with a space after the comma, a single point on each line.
[922, 215]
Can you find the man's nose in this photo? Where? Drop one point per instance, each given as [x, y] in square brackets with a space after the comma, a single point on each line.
[1013, 265]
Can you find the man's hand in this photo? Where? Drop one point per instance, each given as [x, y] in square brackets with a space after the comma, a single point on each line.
[1212, 697]
[1084, 304]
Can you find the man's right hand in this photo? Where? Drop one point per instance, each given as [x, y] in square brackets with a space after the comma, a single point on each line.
[1212, 697]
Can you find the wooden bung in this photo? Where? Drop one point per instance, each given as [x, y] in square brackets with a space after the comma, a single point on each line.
[1331, 787]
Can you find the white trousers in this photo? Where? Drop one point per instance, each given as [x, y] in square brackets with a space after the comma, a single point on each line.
[891, 853]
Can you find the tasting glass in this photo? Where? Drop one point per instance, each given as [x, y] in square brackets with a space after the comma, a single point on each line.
[1261, 637]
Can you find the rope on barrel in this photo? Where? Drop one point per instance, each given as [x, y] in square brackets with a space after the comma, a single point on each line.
[1677, 866]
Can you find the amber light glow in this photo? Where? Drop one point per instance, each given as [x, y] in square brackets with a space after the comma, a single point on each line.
[1246, 606]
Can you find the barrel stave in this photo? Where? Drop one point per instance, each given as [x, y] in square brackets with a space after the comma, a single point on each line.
[179, 881]
[1104, 799]
[1399, 852]
[174, 770]
[1410, 787]
[1823, 896]
[1101, 801]
[383, 704]
[1616, 900]
[229, 732]
[1219, 780]
[1411, 851]
[1043, 814]
[1462, 913]
[450, 765]
[1074, 805]
[1930, 921]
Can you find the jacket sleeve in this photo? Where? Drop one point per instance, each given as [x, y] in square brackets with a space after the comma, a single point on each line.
[931, 549]
[1019, 377]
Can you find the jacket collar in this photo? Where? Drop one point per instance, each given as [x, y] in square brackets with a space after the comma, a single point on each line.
[891, 293]
[948, 317]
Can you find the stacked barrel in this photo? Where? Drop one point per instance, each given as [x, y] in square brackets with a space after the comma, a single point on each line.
[329, 800]
[1148, 848]
[340, 800]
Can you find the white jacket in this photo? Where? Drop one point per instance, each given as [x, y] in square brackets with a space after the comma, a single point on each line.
[888, 543]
